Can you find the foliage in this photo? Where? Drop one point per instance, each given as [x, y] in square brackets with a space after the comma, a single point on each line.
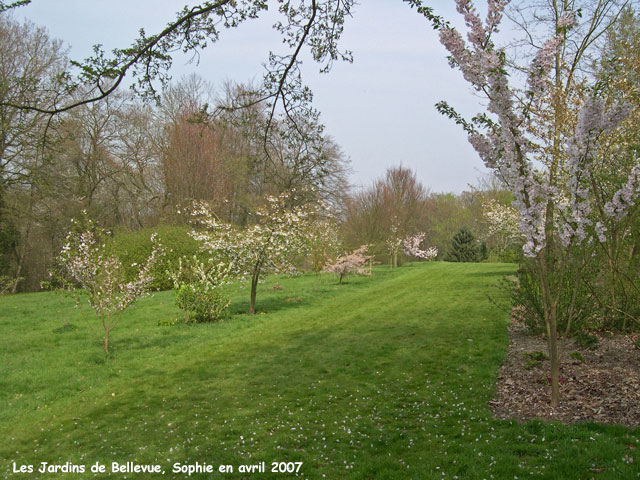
[278, 236]
[133, 248]
[8, 284]
[200, 304]
[353, 263]
[9, 238]
[317, 26]
[324, 244]
[198, 289]
[87, 265]
[577, 356]
[463, 248]
[385, 212]
[131, 164]
[483, 251]
[586, 340]
[576, 306]
[503, 229]
[535, 359]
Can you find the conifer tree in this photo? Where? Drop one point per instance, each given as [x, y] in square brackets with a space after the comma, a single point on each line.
[464, 247]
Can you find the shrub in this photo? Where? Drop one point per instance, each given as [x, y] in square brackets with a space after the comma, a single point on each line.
[197, 287]
[201, 304]
[535, 359]
[132, 248]
[577, 356]
[586, 340]
[575, 307]
[538, 356]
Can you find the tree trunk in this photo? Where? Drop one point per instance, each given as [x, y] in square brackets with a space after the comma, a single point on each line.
[106, 341]
[555, 361]
[551, 320]
[254, 288]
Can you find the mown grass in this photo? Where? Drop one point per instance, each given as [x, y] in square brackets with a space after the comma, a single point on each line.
[385, 377]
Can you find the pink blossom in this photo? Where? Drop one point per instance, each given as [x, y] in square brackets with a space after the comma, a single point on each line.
[351, 263]
[412, 248]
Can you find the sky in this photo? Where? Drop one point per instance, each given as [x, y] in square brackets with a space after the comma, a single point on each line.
[379, 109]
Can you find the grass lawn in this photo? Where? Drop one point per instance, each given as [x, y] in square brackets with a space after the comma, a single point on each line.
[386, 377]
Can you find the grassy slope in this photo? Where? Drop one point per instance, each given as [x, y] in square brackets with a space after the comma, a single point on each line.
[385, 377]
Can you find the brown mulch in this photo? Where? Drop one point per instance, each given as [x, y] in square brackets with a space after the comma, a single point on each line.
[605, 388]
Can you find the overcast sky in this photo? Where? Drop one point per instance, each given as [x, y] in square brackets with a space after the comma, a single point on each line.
[380, 109]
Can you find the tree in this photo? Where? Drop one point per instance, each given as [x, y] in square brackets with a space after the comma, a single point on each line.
[271, 244]
[533, 137]
[86, 264]
[503, 221]
[317, 24]
[464, 247]
[353, 263]
[411, 246]
[30, 67]
[383, 214]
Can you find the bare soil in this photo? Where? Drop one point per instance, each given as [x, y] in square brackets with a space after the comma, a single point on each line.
[604, 388]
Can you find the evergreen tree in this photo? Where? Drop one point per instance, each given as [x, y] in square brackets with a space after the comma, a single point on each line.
[483, 252]
[464, 247]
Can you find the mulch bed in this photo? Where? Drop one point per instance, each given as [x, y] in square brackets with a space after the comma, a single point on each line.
[605, 388]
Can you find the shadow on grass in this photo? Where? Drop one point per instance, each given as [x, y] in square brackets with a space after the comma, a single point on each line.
[269, 304]
[488, 273]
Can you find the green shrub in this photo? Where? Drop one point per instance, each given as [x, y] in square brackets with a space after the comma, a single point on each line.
[577, 356]
[525, 294]
[586, 340]
[201, 304]
[133, 248]
[534, 359]
[537, 356]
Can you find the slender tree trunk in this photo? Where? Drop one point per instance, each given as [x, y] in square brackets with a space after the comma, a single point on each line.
[551, 321]
[555, 360]
[254, 287]
[548, 300]
[106, 341]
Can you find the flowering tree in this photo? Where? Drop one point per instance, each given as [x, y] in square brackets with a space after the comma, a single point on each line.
[271, 244]
[394, 243]
[534, 139]
[353, 263]
[503, 221]
[411, 246]
[324, 243]
[86, 264]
